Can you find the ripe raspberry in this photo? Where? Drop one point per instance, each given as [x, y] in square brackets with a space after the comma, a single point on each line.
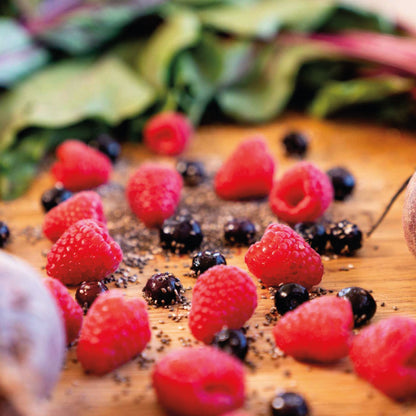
[85, 205]
[302, 194]
[84, 252]
[168, 133]
[283, 256]
[247, 173]
[71, 311]
[222, 296]
[199, 382]
[384, 355]
[80, 167]
[319, 330]
[115, 330]
[153, 192]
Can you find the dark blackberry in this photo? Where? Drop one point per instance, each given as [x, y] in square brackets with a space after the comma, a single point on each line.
[54, 196]
[289, 404]
[239, 231]
[231, 341]
[289, 296]
[163, 289]
[87, 292]
[315, 234]
[295, 143]
[4, 233]
[344, 237]
[363, 304]
[206, 259]
[193, 172]
[107, 145]
[180, 234]
[343, 182]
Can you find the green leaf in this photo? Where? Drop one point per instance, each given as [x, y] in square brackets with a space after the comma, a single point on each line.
[19, 56]
[337, 95]
[264, 19]
[72, 91]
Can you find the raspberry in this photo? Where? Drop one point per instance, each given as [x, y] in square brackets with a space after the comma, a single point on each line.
[222, 296]
[283, 256]
[247, 173]
[199, 382]
[85, 205]
[71, 312]
[115, 330]
[384, 355]
[168, 133]
[319, 330]
[85, 252]
[80, 167]
[153, 192]
[302, 194]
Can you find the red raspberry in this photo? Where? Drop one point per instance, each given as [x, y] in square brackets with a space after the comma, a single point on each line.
[283, 256]
[80, 166]
[247, 173]
[115, 330]
[199, 382]
[168, 133]
[319, 330]
[384, 355]
[84, 252]
[153, 192]
[71, 312]
[223, 296]
[302, 194]
[85, 205]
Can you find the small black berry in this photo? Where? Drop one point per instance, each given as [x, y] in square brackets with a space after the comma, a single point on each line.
[289, 296]
[363, 304]
[87, 292]
[163, 289]
[239, 231]
[231, 341]
[314, 234]
[344, 237]
[107, 145]
[343, 182]
[180, 234]
[295, 143]
[289, 404]
[54, 196]
[4, 233]
[205, 260]
[193, 172]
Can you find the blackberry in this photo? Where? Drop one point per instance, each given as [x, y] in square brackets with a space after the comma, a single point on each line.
[231, 341]
[343, 182]
[205, 260]
[4, 233]
[181, 234]
[315, 235]
[239, 231]
[163, 289]
[54, 196]
[289, 296]
[289, 404]
[87, 292]
[193, 172]
[344, 237]
[295, 144]
[108, 146]
[363, 304]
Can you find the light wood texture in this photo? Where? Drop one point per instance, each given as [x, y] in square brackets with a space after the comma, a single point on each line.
[381, 160]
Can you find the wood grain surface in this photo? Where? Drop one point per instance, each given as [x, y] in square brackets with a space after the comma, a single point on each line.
[380, 158]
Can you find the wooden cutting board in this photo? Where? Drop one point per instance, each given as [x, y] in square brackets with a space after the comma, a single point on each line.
[380, 158]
